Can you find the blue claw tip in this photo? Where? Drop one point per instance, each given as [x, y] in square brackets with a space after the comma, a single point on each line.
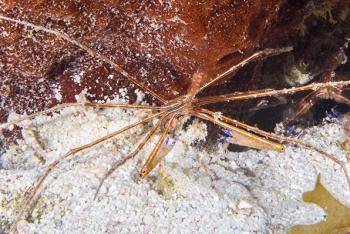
[290, 130]
[330, 116]
[174, 142]
[335, 112]
[166, 141]
[224, 138]
[228, 132]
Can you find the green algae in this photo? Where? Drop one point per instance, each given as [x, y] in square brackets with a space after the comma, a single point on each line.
[338, 216]
[165, 184]
[34, 213]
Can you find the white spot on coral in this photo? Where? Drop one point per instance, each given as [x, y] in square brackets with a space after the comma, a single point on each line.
[140, 96]
[77, 78]
[177, 19]
[57, 93]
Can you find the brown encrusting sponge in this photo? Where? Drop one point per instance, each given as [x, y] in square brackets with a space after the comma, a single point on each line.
[162, 44]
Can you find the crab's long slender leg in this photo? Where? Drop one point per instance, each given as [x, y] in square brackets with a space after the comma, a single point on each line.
[243, 137]
[91, 51]
[258, 55]
[246, 126]
[281, 139]
[155, 158]
[265, 93]
[131, 155]
[124, 106]
[325, 93]
[74, 151]
[88, 104]
[56, 108]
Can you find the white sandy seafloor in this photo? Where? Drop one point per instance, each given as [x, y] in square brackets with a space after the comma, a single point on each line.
[221, 192]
